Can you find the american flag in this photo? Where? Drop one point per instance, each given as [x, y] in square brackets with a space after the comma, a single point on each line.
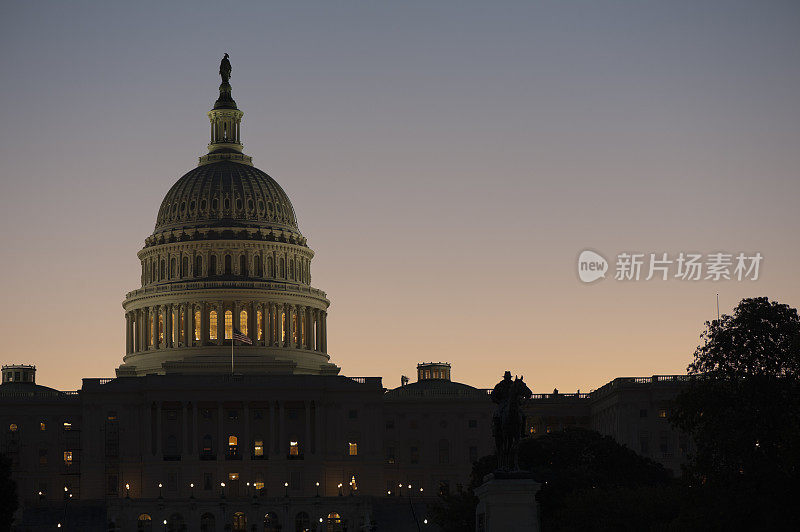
[237, 335]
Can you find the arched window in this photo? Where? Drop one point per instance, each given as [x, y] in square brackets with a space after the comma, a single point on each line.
[185, 267]
[258, 447]
[228, 324]
[233, 445]
[282, 272]
[212, 266]
[228, 265]
[291, 269]
[175, 523]
[208, 523]
[212, 325]
[144, 523]
[271, 522]
[260, 325]
[172, 271]
[198, 266]
[257, 266]
[270, 267]
[243, 265]
[240, 522]
[243, 322]
[161, 271]
[302, 522]
[197, 325]
[334, 522]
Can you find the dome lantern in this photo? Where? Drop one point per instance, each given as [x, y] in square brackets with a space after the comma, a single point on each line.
[226, 120]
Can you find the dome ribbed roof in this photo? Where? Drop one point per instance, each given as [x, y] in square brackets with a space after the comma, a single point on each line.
[226, 194]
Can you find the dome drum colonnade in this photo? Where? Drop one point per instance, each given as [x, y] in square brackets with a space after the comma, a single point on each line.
[226, 254]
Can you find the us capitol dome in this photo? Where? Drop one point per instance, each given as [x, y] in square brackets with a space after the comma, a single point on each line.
[226, 256]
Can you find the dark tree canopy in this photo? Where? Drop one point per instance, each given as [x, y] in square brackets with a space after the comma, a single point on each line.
[762, 337]
[743, 414]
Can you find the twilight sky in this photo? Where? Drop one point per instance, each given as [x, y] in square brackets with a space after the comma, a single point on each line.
[448, 161]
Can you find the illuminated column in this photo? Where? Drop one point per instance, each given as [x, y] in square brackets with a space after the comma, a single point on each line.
[148, 334]
[203, 323]
[253, 325]
[324, 334]
[127, 333]
[156, 328]
[188, 324]
[237, 305]
[287, 318]
[168, 326]
[220, 323]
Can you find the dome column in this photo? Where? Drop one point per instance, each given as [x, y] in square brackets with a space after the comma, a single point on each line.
[324, 332]
[220, 323]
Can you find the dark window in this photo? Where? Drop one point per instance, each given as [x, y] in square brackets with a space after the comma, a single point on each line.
[414, 454]
[228, 265]
[444, 487]
[390, 455]
[643, 412]
[207, 481]
[198, 266]
[111, 485]
[212, 266]
[473, 423]
[243, 265]
[353, 414]
[389, 424]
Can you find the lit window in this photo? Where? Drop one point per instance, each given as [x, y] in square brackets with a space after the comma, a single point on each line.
[228, 324]
[243, 322]
[67, 457]
[259, 483]
[42, 426]
[662, 413]
[258, 448]
[42, 456]
[197, 325]
[353, 484]
[181, 326]
[67, 425]
[233, 442]
[260, 320]
[233, 476]
[353, 449]
[212, 325]
[13, 427]
[294, 448]
[160, 328]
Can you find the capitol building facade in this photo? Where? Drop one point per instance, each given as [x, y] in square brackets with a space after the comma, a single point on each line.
[228, 412]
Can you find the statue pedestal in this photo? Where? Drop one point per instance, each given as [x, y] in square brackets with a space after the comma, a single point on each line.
[507, 503]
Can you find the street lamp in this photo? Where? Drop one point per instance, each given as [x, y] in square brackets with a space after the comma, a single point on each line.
[285, 489]
[159, 490]
[127, 490]
[222, 486]
[191, 485]
[317, 489]
[340, 489]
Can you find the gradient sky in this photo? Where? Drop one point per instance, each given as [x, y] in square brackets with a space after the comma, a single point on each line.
[447, 162]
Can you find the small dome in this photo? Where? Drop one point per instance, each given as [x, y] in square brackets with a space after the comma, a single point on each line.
[226, 194]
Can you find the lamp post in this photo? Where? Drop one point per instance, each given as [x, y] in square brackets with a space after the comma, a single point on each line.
[191, 486]
[127, 491]
[317, 489]
[340, 489]
[160, 495]
[222, 489]
[285, 489]
[165, 525]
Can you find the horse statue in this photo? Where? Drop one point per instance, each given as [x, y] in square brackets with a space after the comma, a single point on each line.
[507, 423]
